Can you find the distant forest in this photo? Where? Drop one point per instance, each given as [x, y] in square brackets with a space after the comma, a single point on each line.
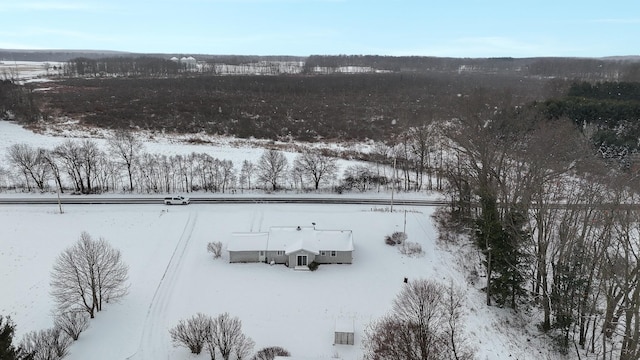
[339, 106]
[152, 92]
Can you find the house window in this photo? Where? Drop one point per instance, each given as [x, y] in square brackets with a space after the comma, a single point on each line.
[333, 253]
[323, 253]
[302, 260]
[280, 252]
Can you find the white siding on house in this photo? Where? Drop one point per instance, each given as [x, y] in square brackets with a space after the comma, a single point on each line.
[243, 256]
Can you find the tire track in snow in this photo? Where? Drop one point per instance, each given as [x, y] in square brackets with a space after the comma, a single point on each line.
[260, 220]
[153, 329]
[256, 221]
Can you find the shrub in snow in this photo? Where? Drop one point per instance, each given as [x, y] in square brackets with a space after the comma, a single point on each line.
[49, 344]
[389, 241]
[313, 266]
[396, 238]
[399, 237]
[192, 333]
[243, 347]
[72, 322]
[215, 248]
[269, 353]
[410, 249]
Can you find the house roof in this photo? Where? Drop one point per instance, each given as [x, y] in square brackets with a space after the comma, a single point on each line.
[344, 325]
[291, 239]
[248, 241]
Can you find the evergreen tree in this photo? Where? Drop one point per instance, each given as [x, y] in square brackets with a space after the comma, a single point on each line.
[510, 260]
[501, 241]
[7, 328]
[7, 350]
[489, 232]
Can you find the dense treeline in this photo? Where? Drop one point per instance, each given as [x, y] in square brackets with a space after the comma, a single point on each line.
[85, 167]
[145, 66]
[17, 102]
[367, 106]
[54, 55]
[609, 114]
[555, 226]
[568, 68]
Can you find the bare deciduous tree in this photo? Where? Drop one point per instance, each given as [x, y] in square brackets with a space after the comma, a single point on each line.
[226, 336]
[81, 161]
[89, 159]
[69, 154]
[271, 166]
[426, 323]
[192, 333]
[49, 344]
[316, 167]
[126, 147]
[244, 347]
[88, 274]
[31, 164]
[73, 322]
[246, 174]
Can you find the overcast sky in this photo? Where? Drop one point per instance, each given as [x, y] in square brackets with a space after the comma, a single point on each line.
[463, 28]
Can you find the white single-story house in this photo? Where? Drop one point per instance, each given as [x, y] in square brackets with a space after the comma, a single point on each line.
[293, 246]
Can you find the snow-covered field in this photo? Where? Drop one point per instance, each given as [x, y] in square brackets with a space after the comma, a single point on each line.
[219, 147]
[173, 277]
[28, 70]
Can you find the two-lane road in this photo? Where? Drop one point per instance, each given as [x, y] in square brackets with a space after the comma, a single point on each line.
[65, 200]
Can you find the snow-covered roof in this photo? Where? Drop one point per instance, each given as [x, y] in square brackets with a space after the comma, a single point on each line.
[344, 325]
[291, 239]
[248, 241]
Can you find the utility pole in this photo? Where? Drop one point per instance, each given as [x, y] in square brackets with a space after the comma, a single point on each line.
[393, 182]
[404, 228]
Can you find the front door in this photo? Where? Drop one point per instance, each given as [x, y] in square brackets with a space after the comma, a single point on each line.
[302, 260]
[261, 257]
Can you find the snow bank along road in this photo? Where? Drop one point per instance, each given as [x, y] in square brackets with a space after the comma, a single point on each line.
[216, 200]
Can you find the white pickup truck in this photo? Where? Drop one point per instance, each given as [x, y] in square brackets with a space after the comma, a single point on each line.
[176, 200]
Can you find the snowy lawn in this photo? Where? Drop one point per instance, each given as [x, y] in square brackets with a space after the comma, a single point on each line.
[172, 277]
